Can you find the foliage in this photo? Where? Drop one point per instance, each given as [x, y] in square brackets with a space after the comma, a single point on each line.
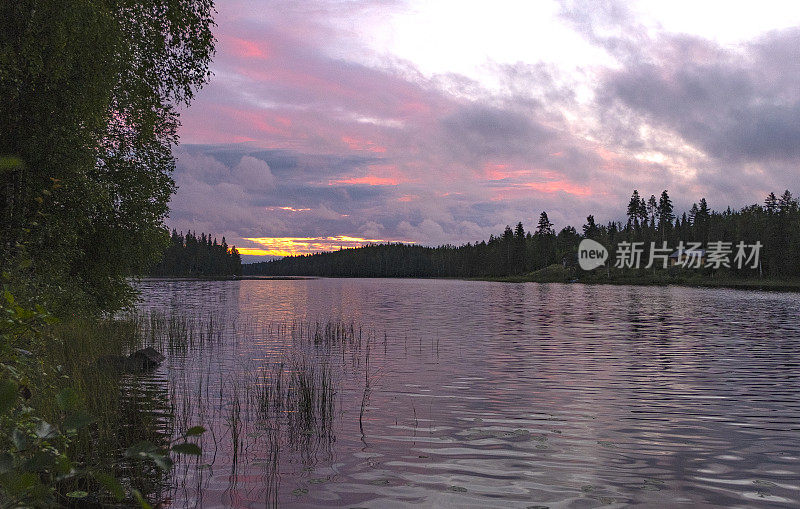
[56, 438]
[88, 120]
[32, 457]
[88, 117]
[776, 225]
[193, 256]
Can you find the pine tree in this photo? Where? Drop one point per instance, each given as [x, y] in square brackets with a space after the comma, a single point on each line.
[779, 234]
[642, 212]
[634, 209]
[704, 211]
[665, 214]
[519, 231]
[771, 203]
[693, 213]
[652, 209]
[590, 228]
[192, 256]
[545, 227]
[519, 249]
[787, 203]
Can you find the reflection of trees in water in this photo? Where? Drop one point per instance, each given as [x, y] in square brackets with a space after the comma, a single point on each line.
[144, 414]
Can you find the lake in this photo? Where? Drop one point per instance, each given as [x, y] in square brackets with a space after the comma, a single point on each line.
[446, 393]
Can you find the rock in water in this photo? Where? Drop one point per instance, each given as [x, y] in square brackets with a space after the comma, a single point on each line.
[138, 361]
[146, 358]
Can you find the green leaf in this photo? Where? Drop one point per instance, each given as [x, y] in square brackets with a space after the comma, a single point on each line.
[67, 400]
[63, 465]
[145, 449]
[111, 484]
[142, 502]
[141, 449]
[162, 461]
[9, 163]
[77, 420]
[21, 483]
[77, 494]
[187, 448]
[46, 430]
[6, 462]
[19, 439]
[195, 431]
[8, 395]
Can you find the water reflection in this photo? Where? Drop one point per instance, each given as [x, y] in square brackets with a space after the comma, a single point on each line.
[489, 394]
[143, 413]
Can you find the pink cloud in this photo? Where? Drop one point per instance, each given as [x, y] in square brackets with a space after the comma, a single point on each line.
[381, 144]
[246, 49]
[496, 171]
[370, 180]
[361, 144]
[559, 186]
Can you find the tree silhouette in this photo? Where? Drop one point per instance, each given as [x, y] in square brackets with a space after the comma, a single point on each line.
[545, 227]
[634, 209]
[192, 256]
[516, 251]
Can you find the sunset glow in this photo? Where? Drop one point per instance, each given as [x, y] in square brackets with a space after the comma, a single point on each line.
[289, 246]
[369, 180]
[443, 122]
[288, 209]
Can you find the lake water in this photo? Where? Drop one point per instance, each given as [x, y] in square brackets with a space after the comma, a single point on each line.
[481, 394]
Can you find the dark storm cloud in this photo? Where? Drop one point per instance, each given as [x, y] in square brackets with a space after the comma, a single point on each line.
[735, 105]
[738, 104]
[481, 131]
[247, 198]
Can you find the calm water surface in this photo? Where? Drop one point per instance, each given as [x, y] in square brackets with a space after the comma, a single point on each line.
[481, 394]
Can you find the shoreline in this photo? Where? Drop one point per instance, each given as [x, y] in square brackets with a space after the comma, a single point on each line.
[549, 275]
[765, 286]
[563, 277]
[225, 278]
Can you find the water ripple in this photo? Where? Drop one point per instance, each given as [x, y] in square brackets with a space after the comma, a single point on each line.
[508, 395]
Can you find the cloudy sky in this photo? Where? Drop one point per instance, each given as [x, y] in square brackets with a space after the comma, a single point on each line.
[334, 123]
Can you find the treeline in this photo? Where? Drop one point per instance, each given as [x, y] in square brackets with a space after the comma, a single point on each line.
[89, 115]
[192, 256]
[776, 224]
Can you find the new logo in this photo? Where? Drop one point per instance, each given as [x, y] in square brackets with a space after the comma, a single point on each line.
[591, 254]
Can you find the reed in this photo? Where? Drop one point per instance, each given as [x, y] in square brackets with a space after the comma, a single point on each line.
[263, 413]
[120, 409]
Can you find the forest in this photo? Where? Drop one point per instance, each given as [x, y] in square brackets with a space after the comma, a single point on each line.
[192, 256]
[91, 93]
[775, 223]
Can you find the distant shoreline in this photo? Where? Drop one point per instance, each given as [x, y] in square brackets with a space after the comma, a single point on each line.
[549, 276]
[775, 286]
[661, 278]
[224, 278]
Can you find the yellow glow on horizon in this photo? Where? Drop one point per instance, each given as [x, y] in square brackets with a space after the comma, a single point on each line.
[256, 251]
[288, 209]
[291, 246]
